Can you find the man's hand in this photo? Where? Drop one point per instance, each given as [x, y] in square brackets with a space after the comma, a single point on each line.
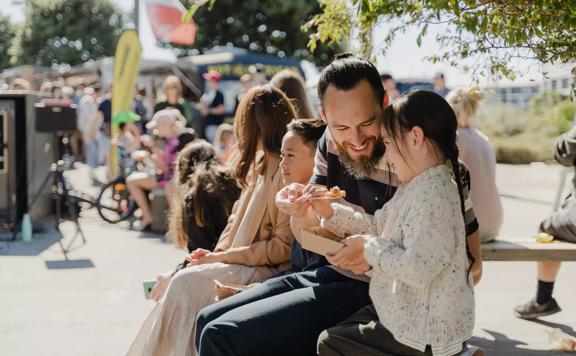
[351, 256]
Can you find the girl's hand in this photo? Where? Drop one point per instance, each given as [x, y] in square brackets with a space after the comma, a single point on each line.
[316, 196]
[351, 256]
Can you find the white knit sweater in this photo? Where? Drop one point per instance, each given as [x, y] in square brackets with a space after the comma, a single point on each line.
[419, 284]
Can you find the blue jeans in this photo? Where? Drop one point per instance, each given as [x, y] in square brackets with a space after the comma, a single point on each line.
[92, 153]
[282, 316]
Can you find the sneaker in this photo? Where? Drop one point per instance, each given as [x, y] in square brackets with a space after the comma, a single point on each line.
[533, 310]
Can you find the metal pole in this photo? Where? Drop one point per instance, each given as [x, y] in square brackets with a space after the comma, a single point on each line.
[137, 15]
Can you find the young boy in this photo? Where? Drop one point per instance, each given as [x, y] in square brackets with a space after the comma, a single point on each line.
[298, 149]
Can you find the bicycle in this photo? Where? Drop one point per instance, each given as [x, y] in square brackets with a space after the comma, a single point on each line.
[114, 203]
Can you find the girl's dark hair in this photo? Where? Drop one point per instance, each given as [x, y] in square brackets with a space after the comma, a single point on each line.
[187, 162]
[292, 84]
[211, 180]
[346, 71]
[193, 153]
[309, 130]
[262, 115]
[435, 117]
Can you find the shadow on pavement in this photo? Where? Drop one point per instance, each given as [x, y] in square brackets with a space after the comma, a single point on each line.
[69, 264]
[565, 328]
[40, 243]
[502, 345]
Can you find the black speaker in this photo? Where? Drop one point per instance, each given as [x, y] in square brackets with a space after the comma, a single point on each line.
[55, 118]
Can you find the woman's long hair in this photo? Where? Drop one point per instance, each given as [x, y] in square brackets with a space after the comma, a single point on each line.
[261, 118]
[292, 84]
[435, 117]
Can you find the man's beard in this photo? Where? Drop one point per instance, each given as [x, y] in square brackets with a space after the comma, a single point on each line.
[362, 167]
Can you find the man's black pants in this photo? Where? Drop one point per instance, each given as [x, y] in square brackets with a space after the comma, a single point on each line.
[282, 316]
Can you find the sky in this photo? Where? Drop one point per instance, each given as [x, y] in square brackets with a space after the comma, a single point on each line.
[404, 60]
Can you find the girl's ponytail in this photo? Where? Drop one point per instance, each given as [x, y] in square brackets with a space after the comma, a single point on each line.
[451, 155]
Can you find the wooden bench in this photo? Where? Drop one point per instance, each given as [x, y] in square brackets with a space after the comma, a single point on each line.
[528, 250]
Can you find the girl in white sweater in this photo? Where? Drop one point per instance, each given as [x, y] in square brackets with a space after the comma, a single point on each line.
[414, 248]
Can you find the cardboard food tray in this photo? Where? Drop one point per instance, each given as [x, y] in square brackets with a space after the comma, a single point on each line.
[311, 240]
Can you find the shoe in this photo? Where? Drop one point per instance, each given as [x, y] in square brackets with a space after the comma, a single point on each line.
[533, 310]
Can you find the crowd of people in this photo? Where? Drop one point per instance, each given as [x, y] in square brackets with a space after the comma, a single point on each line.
[420, 198]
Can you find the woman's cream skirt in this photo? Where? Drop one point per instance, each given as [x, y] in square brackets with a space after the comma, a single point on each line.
[169, 329]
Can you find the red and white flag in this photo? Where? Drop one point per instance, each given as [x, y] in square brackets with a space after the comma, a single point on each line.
[165, 18]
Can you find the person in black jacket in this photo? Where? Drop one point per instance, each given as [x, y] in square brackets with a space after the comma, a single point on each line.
[204, 192]
[562, 225]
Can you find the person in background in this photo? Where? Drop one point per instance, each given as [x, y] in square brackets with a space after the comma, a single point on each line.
[78, 90]
[56, 91]
[254, 245]
[20, 84]
[172, 98]
[247, 84]
[292, 84]
[562, 225]
[440, 84]
[88, 123]
[212, 104]
[105, 130]
[390, 86]
[477, 153]
[169, 125]
[139, 106]
[258, 74]
[46, 87]
[204, 193]
[224, 142]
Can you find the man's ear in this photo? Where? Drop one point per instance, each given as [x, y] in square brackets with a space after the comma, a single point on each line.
[323, 116]
[386, 101]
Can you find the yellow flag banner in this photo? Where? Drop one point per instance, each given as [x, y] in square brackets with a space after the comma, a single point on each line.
[126, 68]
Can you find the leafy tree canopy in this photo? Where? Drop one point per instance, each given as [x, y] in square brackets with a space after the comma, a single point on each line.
[493, 31]
[68, 32]
[263, 26]
[6, 35]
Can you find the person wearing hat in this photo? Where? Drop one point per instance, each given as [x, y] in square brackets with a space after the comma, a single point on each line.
[170, 126]
[212, 104]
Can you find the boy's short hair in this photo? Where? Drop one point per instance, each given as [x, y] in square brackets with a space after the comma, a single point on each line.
[309, 130]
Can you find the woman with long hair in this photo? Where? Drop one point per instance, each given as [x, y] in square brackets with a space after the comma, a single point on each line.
[477, 153]
[254, 245]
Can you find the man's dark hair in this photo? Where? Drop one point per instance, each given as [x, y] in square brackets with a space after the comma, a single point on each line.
[346, 71]
[385, 76]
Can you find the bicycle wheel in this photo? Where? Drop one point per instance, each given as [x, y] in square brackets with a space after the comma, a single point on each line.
[114, 203]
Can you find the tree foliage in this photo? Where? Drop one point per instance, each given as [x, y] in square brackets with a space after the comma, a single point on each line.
[263, 26]
[492, 31]
[7, 33]
[68, 32]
